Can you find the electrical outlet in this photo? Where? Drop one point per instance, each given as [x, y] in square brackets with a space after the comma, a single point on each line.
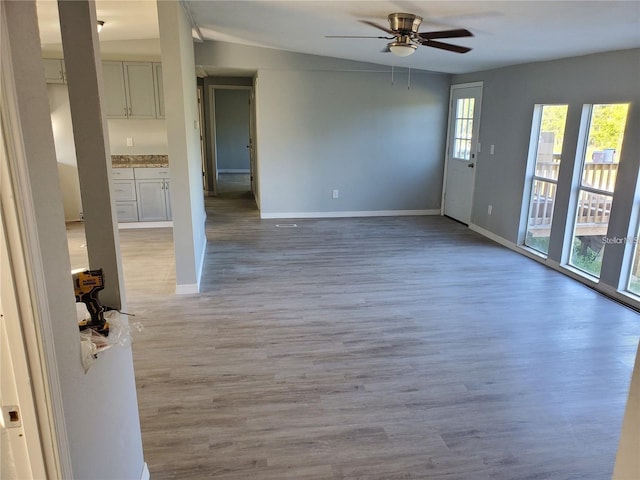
[490, 209]
[336, 194]
[129, 141]
[10, 416]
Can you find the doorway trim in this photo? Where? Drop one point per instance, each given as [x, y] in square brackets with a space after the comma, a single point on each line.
[29, 293]
[448, 145]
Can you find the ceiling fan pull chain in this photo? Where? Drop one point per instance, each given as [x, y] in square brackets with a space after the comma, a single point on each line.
[409, 80]
[391, 74]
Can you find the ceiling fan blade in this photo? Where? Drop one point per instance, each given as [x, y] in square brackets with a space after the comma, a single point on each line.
[445, 46]
[457, 33]
[356, 36]
[379, 27]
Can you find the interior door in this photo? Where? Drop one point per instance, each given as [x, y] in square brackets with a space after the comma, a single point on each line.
[232, 129]
[462, 143]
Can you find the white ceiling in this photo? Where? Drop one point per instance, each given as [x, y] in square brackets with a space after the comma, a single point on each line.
[505, 32]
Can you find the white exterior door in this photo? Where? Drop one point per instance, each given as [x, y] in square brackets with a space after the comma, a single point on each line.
[462, 142]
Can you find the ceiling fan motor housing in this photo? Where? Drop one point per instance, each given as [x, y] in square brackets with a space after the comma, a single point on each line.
[404, 23]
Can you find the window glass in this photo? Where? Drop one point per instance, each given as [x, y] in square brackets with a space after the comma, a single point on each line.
[548, 156]
[597, 186]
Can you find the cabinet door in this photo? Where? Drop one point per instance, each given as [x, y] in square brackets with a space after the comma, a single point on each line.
[115, 99]
[127, 211]
[53, 70]
[124, 190]
[151, 200]
[157, 70]
[140, 90]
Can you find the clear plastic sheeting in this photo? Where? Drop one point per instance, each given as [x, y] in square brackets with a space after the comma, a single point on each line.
[92, 343]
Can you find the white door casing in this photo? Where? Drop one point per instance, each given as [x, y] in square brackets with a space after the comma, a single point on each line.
[461, 153]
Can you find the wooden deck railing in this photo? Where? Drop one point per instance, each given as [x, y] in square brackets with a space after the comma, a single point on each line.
[593, 208]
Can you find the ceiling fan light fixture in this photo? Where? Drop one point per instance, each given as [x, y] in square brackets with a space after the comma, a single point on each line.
[402, 49]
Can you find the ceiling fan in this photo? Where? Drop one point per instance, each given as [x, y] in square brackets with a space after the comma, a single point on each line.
[403, 30]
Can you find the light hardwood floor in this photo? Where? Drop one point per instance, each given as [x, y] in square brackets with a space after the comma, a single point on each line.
[372, 348]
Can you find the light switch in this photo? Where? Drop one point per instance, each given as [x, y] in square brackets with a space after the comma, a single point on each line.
[493, 149]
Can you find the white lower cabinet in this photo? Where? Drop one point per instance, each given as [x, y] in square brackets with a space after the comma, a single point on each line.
[142, 194]
[124, 192]
[153, 194]
[127, 211]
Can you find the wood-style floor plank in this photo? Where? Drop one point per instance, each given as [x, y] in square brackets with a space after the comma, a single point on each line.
[372, 348]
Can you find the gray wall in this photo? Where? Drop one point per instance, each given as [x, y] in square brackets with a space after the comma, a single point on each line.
[508, 100]
[232, 129]
[325, 124]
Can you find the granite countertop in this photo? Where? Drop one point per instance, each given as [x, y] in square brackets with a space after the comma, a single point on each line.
[139, 161]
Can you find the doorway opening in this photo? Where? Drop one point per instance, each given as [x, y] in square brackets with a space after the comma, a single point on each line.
[232, 133]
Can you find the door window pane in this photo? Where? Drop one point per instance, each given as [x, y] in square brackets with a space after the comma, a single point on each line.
[597, 186]
[544, 183]
[463, 128]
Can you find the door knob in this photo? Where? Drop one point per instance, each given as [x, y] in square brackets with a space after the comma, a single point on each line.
[471, 165]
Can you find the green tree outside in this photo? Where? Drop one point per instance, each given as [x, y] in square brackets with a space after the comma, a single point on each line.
[607, 126]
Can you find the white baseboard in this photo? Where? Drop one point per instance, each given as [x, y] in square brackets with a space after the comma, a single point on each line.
[492, 236]
[128, 225]
[145, 472]
[187, 289]
[234, 170]
[354, 214]
[201, 264]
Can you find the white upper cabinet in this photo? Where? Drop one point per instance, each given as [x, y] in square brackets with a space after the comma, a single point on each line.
[129, 89]
[54, 70]
[140, 89]
[115, 101]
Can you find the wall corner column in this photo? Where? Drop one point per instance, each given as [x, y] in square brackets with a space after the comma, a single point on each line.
[84, 79]
[183, 135]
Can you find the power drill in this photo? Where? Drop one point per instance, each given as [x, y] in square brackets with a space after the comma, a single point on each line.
[87, 284]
